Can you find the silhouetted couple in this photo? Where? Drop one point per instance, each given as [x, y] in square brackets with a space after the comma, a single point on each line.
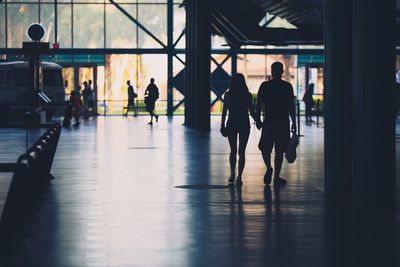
[276, 99]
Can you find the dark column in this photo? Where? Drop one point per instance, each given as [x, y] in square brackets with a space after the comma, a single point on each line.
[170, 47]
[197, 74]
[337, 99]
[373, 110]
[234, 63]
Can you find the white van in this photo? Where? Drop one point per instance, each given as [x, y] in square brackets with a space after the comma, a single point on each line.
[14, 82]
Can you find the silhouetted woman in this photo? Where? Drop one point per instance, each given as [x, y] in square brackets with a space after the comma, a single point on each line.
[238, 101]
[309, 102]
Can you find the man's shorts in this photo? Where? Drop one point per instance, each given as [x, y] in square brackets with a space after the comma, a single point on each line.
[277, 135]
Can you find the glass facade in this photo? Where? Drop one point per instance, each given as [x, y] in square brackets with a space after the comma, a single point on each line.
[130, 38]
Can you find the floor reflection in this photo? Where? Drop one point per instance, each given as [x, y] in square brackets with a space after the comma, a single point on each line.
[127, 194]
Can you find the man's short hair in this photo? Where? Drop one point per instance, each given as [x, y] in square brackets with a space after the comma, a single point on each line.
[277, 67]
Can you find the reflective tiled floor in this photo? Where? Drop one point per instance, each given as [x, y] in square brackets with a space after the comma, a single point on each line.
[128, 194]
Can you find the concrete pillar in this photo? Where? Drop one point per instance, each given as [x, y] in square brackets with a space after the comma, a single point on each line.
[197, 72]
[170, 47]
[338, 99]
[373, 105]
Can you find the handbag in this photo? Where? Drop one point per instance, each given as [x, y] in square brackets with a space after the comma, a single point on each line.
[291, 153]
[225, 131]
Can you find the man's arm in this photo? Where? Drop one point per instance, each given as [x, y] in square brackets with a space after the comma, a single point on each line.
[260, 102]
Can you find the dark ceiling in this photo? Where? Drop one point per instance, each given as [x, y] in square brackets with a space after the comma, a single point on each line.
[238, 21]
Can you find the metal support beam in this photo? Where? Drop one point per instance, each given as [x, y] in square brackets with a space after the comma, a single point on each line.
[374, 150]
[170, 48]
[338, 100]
[143, 28]
[55, 21]
[197, 74]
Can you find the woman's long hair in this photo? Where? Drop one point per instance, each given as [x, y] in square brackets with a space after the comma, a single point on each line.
[238, 84]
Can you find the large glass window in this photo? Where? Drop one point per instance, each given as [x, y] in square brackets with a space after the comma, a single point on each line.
[120, 30]
[154, 19]
[47, 20]
[179, 26]
[64, 33]
[19, 17]
[2, 25]
[88, 26]
[138, 69]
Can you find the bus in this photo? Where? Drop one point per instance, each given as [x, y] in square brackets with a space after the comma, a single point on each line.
[14, 88]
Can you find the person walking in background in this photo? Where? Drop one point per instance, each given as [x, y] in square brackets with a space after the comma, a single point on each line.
[85, 99]
[131, 99]
[151, 96]
[91, 98]
[76, 105]
[277, 98]
[309, 102]
[238, 102]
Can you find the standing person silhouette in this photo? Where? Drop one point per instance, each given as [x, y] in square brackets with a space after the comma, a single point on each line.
[238, 102]
[91, 98]
[76, 106]
[151, 96]
[86, 92]
[131, 99]
[277, 98]
[309, 102]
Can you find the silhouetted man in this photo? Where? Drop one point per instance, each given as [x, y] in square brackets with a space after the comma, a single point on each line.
[151, 96]
[276, 96]
[91, 98]
[85, 97]
[131, 98]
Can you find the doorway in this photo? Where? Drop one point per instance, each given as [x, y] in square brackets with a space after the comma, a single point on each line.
[315, 75]
[75, 74]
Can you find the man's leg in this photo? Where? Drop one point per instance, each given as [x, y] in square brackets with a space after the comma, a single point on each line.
[278, 164]
[267, 160]
[281, 143]
[265, 145]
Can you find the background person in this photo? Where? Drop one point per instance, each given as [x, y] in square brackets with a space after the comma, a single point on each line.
[131, 99]
[309, 102]
[151, 96]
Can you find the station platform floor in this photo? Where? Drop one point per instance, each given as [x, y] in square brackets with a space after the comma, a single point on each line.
[129, 194]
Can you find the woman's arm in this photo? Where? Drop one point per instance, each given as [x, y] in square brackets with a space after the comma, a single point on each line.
[224, 109]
